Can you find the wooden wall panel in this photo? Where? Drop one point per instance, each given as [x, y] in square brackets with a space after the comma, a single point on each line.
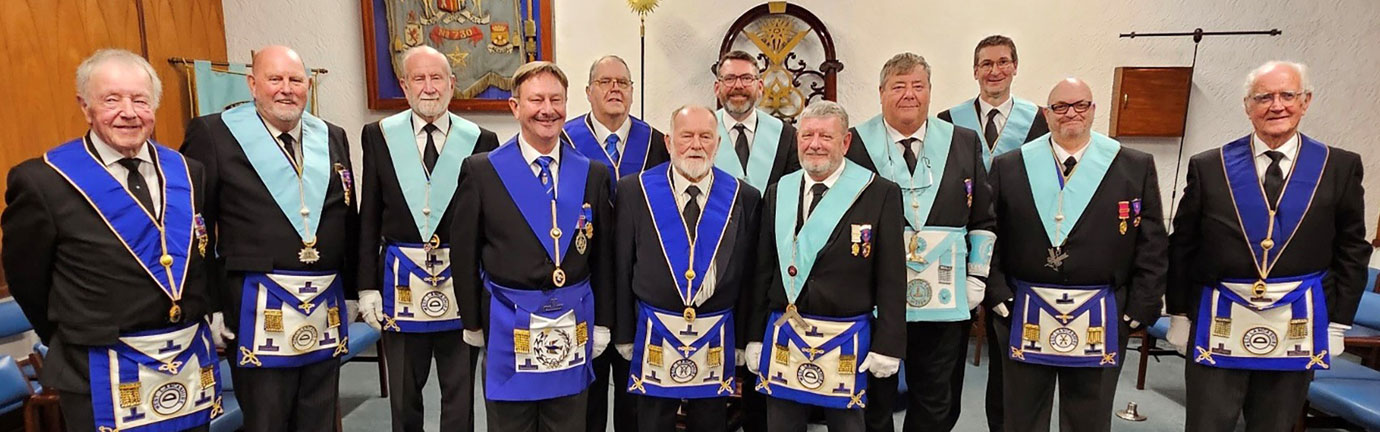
[180, 28]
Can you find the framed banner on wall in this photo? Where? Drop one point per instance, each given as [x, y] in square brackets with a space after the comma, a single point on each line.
[484, 40]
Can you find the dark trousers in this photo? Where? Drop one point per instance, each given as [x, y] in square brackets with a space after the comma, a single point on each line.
[655, 414]
[562, 414]
[754, 411]
[1269, 400]
[996, 354]
[934, 376]
[1085, 393]
[791, 416]
[78, 416]
[409, 366]
[611, 369]
[288, 399]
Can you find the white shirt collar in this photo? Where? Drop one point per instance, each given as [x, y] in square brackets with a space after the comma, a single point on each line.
[110, 156]
[896, 136]
[1289, 148]
[1004, 108]
[442, 123]
[1063, 155]
[680, 182]
[274, 132]
[531, 154]
[828, 181]
[749, 123]
[602, 133]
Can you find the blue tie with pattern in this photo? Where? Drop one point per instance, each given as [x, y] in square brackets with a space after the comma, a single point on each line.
[545, 176]
[611, 147]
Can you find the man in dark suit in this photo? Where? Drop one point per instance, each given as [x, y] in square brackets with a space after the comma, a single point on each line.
[1079, 264]
[829, 258]
[1267, 261]
[281, 216]
[757, 147]
[104, 252]
[411, 172]
[1003, 122]
[533, 228]
[947, 237]
[685, 242]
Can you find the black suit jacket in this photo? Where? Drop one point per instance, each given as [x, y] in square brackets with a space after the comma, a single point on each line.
[384, 214]
[643, 274]
[1208, 246]
[75, 280]
[248, 231]
[1038, 127]
[841, 284]
[490, 234]
[1134, 264]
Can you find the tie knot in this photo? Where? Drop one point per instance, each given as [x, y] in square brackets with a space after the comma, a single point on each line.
[739, 127]
[992, 114]
[693, 191]
[1069, 163]
[545, 161]
[286, 138]
[430, 128]
[131, 164]
[1274, 156]
[611, 140]
[818, 189]
[909, 141]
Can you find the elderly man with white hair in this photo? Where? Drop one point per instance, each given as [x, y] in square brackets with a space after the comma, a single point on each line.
[411, 171]
[104, 250]
[1267, 261]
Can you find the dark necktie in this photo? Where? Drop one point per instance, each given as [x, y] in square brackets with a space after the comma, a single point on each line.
[990, 131]
[430, 155]
[1274, 178]
[909, 153]
[691, 213]
[741, 145]
[136, 184]
[818, 191]
[1068, 165]
[287, 140]
[611, 147]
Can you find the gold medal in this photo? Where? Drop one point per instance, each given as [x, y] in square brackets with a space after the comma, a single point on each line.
[581, 242]
[689, 314]
[1123, 227]
[558, 277]
[175, 313]
[309, 254]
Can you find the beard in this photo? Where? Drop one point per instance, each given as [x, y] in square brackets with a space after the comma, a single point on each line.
[692, 167]
[289, 114]
[429, 108]
[736, 108]
[819, 168]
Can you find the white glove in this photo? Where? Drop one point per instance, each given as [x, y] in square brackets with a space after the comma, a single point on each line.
[977, 289]
[880, 365]
[1178, 333]
[220, 334]
[474, 338]
[739, 357]
[1001, 310]
[601, 339]
[1336, 336]
[371, 308]
[624, 350]
[753, 357]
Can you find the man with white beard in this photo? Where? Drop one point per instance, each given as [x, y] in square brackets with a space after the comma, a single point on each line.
[684, 246]
[411, 169]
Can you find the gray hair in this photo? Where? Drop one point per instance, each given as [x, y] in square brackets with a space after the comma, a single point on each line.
[1255, 74]
[423, 49]
[101, 57]
[688, 108]
[595, 65]
[825, 108]
[902, 63]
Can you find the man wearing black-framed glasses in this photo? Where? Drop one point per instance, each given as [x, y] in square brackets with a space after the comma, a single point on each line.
[1079, 264]
[758, 148]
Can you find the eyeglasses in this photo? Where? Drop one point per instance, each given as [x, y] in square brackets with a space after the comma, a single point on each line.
[1078, 107]
[1285, 97]
[743, 80]
[1002, 64]
[607, 82]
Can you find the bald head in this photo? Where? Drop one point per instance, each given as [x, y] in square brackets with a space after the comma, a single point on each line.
[1070, 113]
[427, 82]
[279, 85]
[1070, 87]
[694, 140]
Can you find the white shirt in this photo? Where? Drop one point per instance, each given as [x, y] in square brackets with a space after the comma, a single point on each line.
[530, 154]
[602, 133]
[296, 133]
[749, 127]
[1003, 111]
[680, 183]
[439, 137]
[111, 158]
[918, 146]
[1290, 149]
[1063, 155]
[810, 183]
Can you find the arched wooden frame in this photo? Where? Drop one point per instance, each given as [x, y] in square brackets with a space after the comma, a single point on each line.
[828, 70]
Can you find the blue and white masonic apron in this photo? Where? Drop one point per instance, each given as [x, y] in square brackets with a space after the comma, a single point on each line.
[1012, 135]
[687, 354]
[1063, 325]
[634, 153]
[539, 341]
[418, 292]
[1270, 322]
[762, 153]
[290, 318]
[814, 359]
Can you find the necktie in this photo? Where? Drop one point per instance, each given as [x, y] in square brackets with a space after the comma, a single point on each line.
[135, 182]
[908, 153]
[287, 140]
[1068, 165]
[691, 213]
[990, 131]
[611, 147]
[545, 175]
[817, 191]
[1274, 178]
[430, 154]
[741, 145]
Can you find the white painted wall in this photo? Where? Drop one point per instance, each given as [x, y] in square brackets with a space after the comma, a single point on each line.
[1056, 38]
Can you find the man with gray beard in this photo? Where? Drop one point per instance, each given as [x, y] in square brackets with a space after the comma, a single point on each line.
[411, 169]
[684, 247]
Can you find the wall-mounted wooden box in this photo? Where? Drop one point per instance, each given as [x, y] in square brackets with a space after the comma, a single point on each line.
[1150, 101]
